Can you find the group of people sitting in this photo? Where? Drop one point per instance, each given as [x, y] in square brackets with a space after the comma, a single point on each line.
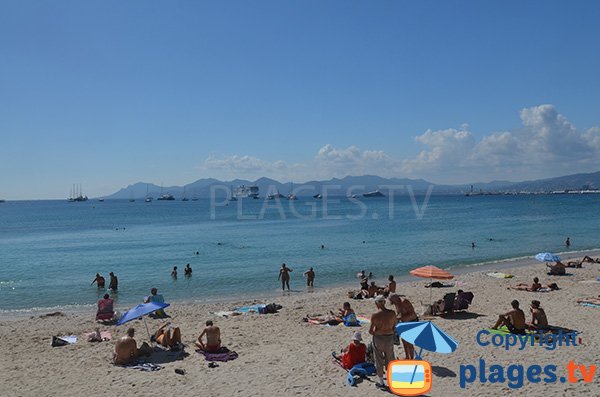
[371, 290]
[126, 350]
[515, 322]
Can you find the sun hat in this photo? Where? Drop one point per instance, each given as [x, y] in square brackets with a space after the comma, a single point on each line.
[357, 336]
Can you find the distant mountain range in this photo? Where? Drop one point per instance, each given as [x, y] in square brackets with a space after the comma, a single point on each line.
[355, 185]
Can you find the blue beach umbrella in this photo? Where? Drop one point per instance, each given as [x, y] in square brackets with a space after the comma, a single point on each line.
[547, 257]
[426, 335]
[140, 311]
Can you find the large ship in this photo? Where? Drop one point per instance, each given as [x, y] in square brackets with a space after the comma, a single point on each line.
[245, 192]
[375, 193]
[76, 194]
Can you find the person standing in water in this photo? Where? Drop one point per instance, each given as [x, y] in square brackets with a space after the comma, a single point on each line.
[310, 277]
[114, 282]
[99, 280]
[284, 276]
[174, 272]
[568, 242]
[187, 270]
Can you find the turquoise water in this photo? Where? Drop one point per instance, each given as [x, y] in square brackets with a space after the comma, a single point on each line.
[51, 250]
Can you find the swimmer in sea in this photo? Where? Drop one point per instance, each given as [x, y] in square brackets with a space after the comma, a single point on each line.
[114, 282]
[174, 272]
[99, 280]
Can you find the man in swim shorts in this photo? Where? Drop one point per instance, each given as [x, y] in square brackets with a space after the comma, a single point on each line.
[405, 312]
[310, 277]
[382, 328]
[213, 338]
[513, 319]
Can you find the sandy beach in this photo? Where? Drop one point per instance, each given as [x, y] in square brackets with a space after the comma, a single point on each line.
[281, 355]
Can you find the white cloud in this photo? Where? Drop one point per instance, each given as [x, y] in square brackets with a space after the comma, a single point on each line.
[547, 144]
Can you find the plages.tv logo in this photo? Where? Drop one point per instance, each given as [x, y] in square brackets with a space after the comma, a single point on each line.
[409, 377]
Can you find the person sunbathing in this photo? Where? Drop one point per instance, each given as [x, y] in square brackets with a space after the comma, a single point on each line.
[213, 338]
[354, 353]
[170, 338]
[526, 287]
[593, 300]
[126, 351]
[331, 319]
[514, 319]
[558, 269]
[539, 321]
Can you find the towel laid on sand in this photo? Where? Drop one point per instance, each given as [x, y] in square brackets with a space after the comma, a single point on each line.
[223, 355]
[500, 275]
[63, 340]
[587, 304]
[143, 366]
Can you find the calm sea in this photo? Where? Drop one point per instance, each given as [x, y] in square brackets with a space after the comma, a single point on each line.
[51, 250]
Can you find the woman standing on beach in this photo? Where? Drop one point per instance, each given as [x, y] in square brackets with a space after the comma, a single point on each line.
[284, 276]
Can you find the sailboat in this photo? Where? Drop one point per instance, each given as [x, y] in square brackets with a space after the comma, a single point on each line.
[184, 198]
[131, 199]
[148, 199]
[76, 194]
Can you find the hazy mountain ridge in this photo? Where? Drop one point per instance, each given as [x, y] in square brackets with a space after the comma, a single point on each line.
[355, 185]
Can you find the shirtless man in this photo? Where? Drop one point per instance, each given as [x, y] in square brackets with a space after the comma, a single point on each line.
[126, 351]
[284, 276]
[373, 290]
[531, 288]
[99, 280]
[539, 321]
[513, 319]
[391, 288]
[114, 282]
[382, 328]
[213, 338]
[405, 312]
[310, 277]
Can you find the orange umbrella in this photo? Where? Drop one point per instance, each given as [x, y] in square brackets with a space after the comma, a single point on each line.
[432, 272]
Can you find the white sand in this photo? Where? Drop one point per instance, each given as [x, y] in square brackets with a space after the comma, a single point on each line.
[281, 356]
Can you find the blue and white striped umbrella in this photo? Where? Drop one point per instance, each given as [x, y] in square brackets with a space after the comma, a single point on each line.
[547, 257]
[426, 335]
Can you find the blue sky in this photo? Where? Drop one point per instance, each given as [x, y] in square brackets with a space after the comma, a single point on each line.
[108, 93]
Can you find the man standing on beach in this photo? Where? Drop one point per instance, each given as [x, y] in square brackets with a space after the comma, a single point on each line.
[114, 282]
[382, 328]
[405, 312]
[310, 277]
[213, 338]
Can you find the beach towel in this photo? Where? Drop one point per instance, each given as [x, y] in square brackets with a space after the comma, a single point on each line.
[63, 340]
[142, 366]
[500, 275]
[361, 321]
[587, 304]
[222, 355]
